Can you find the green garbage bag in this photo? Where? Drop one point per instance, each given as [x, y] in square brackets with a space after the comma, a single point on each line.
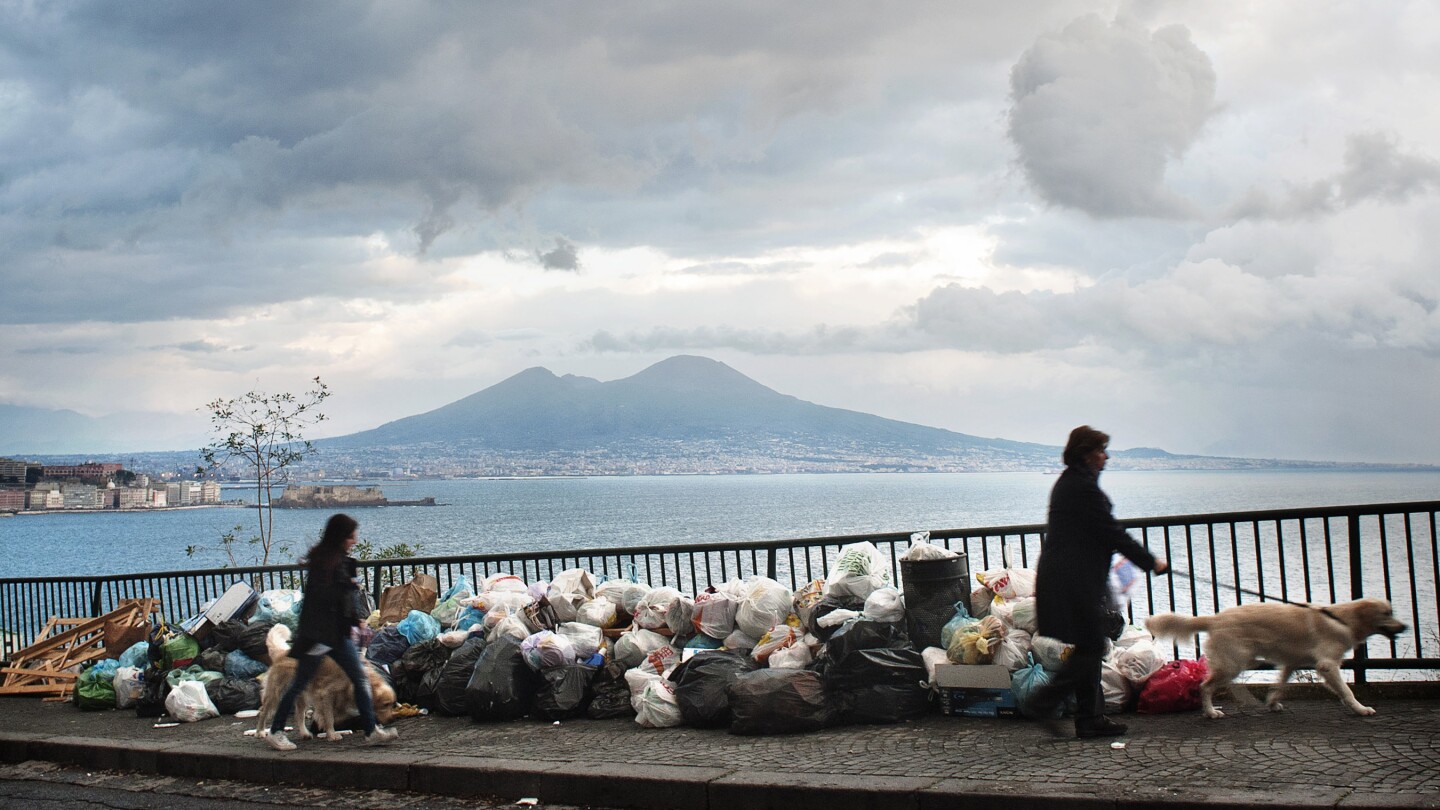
[194, 672]
[179, 650]
[95, 688]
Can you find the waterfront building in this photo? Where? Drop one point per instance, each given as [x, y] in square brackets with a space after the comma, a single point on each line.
[90, 469]
[12, 499]
[130, 498]
[44, 497]
[82, 496]
[12, 471]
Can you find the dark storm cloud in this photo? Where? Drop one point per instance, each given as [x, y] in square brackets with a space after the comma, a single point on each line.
[220, 143]
[562, 257]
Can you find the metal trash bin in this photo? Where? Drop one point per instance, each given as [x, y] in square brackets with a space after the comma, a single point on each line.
[931, 588]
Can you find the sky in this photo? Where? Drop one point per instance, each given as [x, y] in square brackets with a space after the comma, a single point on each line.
[1211, 228]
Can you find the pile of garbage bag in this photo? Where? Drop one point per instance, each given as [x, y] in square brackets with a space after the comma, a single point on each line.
[749, 655]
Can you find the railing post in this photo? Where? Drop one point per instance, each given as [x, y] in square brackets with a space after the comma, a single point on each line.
[95, 599]
[1357, 585]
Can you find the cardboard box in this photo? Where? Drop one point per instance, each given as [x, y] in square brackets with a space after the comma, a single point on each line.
[232, 604]
[238, 602]
[975, 690]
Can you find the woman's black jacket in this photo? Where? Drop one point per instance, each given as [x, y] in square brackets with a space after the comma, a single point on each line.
[1071, 594]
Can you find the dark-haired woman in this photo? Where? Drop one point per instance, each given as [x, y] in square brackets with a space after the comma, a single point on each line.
[327, 615]
[1071, 594]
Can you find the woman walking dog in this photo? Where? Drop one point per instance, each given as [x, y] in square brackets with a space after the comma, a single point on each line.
[327, 615]
[1071, 594]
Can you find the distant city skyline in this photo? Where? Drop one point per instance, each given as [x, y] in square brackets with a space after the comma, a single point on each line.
[1207, 228]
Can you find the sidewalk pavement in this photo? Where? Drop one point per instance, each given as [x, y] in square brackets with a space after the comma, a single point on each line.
[1314, 754]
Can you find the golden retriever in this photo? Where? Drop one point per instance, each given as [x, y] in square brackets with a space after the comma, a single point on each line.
[329, 694]
[1290, 636]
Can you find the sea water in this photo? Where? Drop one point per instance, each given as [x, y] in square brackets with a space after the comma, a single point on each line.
[536, 514]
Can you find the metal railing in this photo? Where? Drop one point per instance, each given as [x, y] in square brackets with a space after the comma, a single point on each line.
[1321, 555]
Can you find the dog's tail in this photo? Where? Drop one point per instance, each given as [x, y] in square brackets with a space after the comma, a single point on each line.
[1173, 625]
[277, 642]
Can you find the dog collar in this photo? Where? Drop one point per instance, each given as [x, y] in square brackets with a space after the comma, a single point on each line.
[1327, 612]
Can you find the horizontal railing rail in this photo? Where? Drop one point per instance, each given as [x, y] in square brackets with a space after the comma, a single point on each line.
[1318, 554]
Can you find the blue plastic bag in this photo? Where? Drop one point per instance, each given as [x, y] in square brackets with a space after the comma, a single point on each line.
[469, 617]
[138, 656]
[1026, 681]
[960, 619]
[460, 588]
[240, 665]
[418, 627]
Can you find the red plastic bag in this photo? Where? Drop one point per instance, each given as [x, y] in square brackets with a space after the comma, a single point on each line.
[1174, 687]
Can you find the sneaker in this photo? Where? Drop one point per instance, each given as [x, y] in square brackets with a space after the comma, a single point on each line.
[1104, 727]
[381, 736]
[278, 741]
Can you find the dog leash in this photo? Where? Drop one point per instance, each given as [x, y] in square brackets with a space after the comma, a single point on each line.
[1323, 609]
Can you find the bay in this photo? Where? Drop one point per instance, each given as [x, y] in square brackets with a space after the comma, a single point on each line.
[512, 515]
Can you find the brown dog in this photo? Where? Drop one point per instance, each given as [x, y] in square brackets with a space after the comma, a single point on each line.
[329, 694]
[1289, 636]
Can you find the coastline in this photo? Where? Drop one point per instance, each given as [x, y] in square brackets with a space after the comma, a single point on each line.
[141, 511]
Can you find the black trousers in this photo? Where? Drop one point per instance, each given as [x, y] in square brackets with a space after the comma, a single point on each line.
[1080, 676]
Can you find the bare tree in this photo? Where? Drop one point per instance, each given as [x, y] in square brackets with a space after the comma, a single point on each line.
[266, 432]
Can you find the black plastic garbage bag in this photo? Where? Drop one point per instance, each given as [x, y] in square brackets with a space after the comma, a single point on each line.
[862, 634]
[610, 697]
[252, 641]
[417, 662]
[502, 686]
[702, 683]
[867, 667]
[823, 607]
[884, 703]
[151, 702]
[212, 659]
[226, 635]
[564, 692]
[387, 646]
[455, 676]
[232, 695]
[779, 701]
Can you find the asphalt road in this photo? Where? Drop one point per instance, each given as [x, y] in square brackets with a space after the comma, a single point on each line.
[47, 786]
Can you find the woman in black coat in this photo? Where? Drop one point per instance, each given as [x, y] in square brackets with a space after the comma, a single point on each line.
[327, 615]
[1071, 595]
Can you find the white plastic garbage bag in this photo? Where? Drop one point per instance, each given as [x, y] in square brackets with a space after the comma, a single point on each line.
[653, 699]
[859, 569]
[585, 638]
[1018, 613]
[885, 605]
[189, 702]
[569, 590]
[651, 610]
[1136, 662]
[1008, 583]
[129, 684]
[795, 656]
[764, 604]
[598, 613]
[632, 646]
[714, 614]
[1116, 688]
[922, 549]
[1014, 652]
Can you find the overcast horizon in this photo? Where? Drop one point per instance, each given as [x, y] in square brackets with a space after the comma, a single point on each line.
[1208, 228]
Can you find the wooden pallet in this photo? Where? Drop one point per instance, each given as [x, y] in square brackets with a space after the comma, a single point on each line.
[49, 667]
